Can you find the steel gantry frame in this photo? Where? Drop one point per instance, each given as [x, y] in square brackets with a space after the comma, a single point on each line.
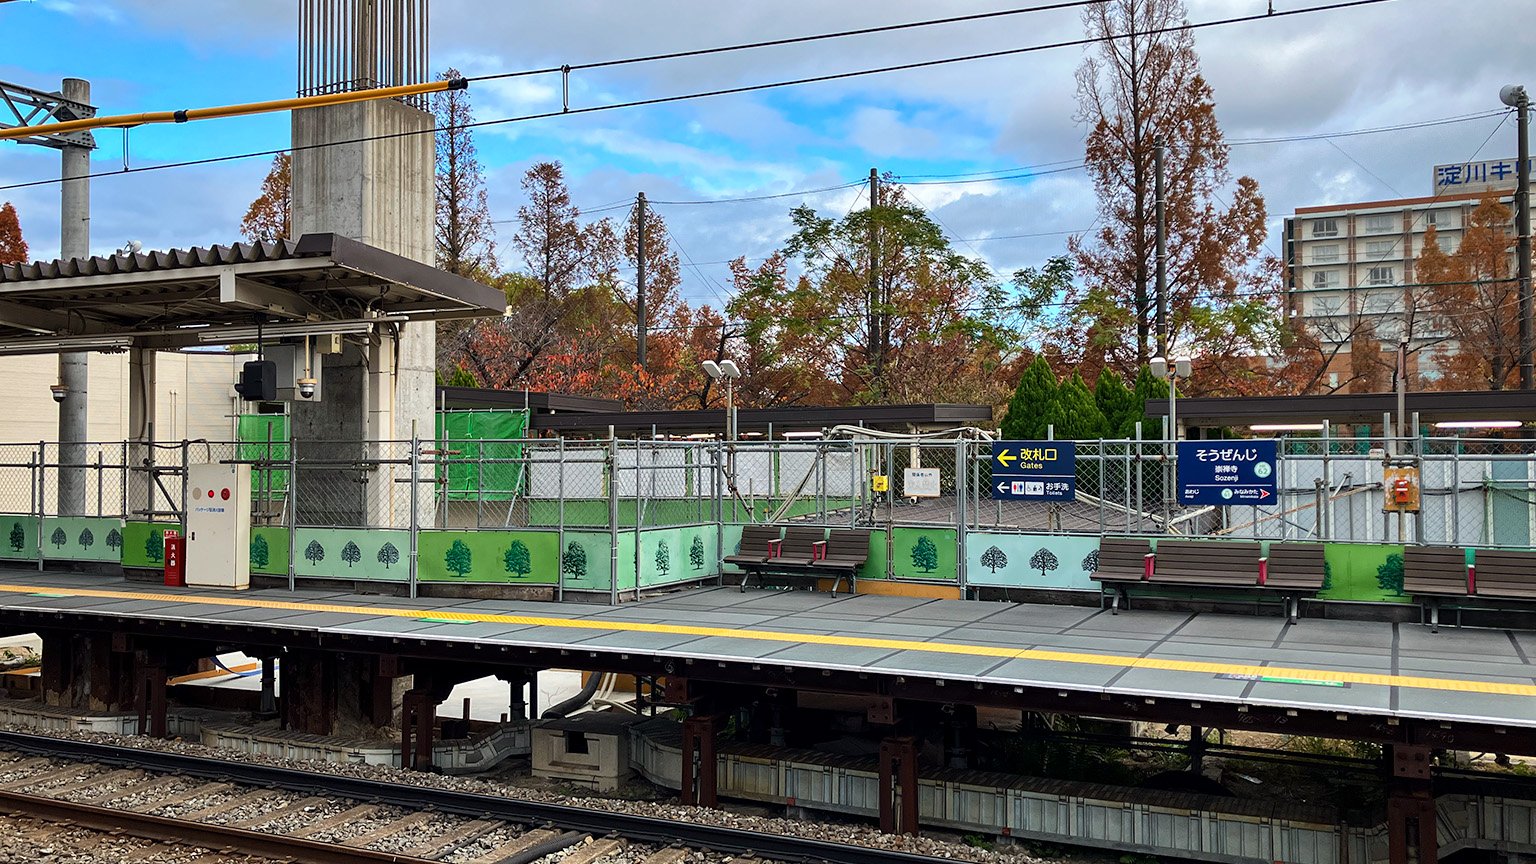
[28, 108]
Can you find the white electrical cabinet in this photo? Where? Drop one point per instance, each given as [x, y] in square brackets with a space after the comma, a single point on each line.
[219, 526]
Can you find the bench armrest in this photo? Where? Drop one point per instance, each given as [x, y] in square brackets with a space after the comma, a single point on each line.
[1471, 578]
[819, 550]
[1148, 562]
[774, 547]
[1263, 570]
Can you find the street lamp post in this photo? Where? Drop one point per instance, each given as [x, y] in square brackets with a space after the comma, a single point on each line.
[1170, 372]
[1515, 97]
[727, 371]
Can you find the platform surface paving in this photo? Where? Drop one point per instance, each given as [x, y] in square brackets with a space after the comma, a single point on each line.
[1375, 668]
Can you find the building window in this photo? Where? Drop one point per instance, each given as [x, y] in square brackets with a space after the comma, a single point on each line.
[1326, 253]
[1376, 250]
[1328, 306]
[1325, 228]
[1380, 276]
[1333, 380]
[1323, 279]
[1379, 223]
[1434, 218]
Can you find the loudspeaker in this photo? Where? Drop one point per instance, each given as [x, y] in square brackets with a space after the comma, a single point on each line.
[258, 381]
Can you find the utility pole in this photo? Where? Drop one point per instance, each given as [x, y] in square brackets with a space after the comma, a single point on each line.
[74, 367]
[1162, 257]
[875, 349]
[640, 321]
[1515, 97]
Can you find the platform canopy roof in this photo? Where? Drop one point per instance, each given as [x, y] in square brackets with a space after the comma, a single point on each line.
[319, 283]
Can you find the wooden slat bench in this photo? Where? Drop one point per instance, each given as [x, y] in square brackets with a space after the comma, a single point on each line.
[1216, 564]
[842, 554]
[754, 548]
[1436, 572]
[1122, 562]
[1292, 570]
[1504, 574]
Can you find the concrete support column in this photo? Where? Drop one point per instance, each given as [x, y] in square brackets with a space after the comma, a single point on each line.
[898, 785]
[268, 707]
[74, 370]
[701, 767]
[58, 668]
[308, 702]
[1411, 834]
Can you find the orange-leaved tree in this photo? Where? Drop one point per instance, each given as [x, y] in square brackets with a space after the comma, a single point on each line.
[13, 249]
[1473, 300]
[270, 216]
[1142, 84]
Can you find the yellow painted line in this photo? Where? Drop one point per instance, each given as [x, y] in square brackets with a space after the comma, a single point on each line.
[1075, 657]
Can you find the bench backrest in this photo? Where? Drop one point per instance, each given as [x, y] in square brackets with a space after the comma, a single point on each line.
[799, 541]
[755, 538]
[1505, 573]
[848, 544]
[1225, 560]
[1295, 565]
[1123, 557]
[1434, 570]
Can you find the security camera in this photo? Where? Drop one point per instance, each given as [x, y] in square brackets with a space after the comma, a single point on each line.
[307, 387]
[59, 392]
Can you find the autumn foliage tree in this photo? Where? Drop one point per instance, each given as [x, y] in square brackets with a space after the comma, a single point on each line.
[13, 249]
[1473, 300]
[270, 216]
[1141, 85]
[894, 312]
[463, 231]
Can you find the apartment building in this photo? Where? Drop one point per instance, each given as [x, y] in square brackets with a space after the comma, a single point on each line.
[1350, 267]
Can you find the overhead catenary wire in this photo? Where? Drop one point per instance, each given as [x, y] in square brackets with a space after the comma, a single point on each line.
[745, 88]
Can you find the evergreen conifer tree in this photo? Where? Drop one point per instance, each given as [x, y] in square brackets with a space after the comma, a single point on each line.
[1074, 413]
[1032, 401]
[1116, 403]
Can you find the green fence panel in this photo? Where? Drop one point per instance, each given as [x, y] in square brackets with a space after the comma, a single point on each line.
[477, 439]
[264, 437]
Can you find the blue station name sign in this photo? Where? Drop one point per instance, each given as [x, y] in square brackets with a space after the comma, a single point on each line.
[1034, 470]
[1227, 472]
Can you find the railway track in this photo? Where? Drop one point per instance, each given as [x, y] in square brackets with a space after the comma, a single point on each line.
[301, 816]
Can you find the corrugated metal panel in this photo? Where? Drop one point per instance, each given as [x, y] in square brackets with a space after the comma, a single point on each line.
[142, 262]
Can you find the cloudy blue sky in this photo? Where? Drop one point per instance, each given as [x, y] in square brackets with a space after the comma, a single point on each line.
[1405, 60]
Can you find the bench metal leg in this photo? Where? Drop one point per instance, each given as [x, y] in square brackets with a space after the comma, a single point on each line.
[1114, 602]
[1434, 616]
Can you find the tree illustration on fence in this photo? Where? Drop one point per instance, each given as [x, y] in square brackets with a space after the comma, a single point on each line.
[458, 559]
[663, 557]
[314, 553]
[351, 554]
[517, 560]
[388, 555]
[1043, 560]
[18, 537]
[86, 538]
[696, 553]
[1091, 562]
[58, 538]
[1390, 574]
[154, 546]
[261, 553]
[574, 562]
[994, 558]
[925, 555]
[114, 539]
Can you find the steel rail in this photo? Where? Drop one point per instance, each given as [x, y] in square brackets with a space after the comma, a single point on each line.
[216, 837]
[599, 823]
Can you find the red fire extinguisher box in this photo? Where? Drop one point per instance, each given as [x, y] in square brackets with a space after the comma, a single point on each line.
[175, 559]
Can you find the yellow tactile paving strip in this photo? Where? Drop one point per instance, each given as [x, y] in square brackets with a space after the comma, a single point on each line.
[1111, 660]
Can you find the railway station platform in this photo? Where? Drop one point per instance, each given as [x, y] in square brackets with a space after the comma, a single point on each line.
[1389, 682]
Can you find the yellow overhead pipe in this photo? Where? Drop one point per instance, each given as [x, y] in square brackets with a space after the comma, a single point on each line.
[127, 120]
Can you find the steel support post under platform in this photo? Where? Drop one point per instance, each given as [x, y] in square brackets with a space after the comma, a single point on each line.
[1411, 831]
[898, 785]
[418, 709]
[701, 766]
[151, 697]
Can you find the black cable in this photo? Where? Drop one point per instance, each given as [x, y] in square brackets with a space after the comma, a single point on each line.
[790, 40]
[727, 91]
